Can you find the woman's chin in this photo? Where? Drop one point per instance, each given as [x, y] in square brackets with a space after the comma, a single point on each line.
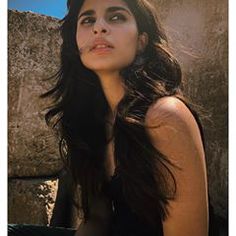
[103, 69]
[106, 64]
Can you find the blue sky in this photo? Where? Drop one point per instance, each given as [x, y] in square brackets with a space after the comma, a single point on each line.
[55, 8]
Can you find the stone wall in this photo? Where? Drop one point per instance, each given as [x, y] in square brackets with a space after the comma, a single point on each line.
[33, 160]
[198, 35]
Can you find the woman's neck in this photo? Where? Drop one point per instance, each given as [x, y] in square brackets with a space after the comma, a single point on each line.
[113, 89]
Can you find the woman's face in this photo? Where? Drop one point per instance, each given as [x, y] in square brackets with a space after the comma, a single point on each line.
[107, 35]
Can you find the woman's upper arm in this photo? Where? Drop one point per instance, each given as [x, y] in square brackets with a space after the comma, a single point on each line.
[177, 136]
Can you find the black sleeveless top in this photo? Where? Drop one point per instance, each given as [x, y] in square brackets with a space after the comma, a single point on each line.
[126, 223]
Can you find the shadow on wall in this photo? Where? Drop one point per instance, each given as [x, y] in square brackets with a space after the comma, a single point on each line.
[198, 35]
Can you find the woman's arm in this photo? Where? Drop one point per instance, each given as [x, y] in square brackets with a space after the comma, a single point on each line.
[100, 218]
[178, 137]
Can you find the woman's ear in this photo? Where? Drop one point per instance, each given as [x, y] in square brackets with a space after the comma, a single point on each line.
[142, 41]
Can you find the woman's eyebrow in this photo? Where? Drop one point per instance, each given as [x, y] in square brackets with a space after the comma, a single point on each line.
[109, 9]
[87, 13]
[118, 8]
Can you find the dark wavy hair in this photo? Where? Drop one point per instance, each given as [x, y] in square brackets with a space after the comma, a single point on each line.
[80, 113]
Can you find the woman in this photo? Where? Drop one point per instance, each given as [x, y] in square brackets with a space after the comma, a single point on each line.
[128, 137]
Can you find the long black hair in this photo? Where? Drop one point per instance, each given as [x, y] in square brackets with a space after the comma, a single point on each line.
[81, 109]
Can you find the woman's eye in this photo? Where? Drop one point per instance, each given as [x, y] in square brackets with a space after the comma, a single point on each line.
[117, 17]
[88, 21]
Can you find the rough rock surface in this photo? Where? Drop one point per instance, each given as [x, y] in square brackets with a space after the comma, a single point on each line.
[33, 57]
[31, 201]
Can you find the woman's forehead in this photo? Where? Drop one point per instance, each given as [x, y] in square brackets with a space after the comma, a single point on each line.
[95, 4]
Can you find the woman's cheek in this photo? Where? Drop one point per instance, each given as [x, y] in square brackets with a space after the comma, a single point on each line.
[82, 37]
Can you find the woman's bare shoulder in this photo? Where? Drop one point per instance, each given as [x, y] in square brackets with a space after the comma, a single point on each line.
[172, 127]
[168, 110]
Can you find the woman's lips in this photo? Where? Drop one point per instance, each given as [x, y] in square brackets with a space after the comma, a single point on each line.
[101, 49]
[101, 46]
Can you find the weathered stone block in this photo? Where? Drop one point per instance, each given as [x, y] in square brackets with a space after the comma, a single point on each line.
[33, 56]
[31, 201]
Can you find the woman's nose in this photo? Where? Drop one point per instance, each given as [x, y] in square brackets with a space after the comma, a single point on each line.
[100, 27]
